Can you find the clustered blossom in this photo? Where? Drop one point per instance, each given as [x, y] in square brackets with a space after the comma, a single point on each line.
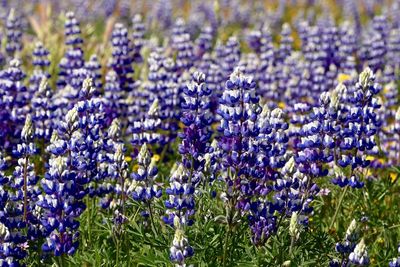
[115, 169]
[114, 97]
[203, 43]
[168, 99]
[126, 104]
[25, 178]
[184, 53]
[196, 117]
[272, 145]
[252, 145]
[258, 125]
[359, 256]
[14, 34]
[360, 125]
[249, 64]
[180, 209]
[107, 159]
[93, 69]
[42, 110]
[18, 217]
[286, 44]
[312, 156]
[266, 68]
[73, 58]
[41, 63]
[352, 250]
[180, 249]
[341, 130]
[145, 130]
[118, 171]
[295, 192]
[391, 139]
[229, 56]
[160, 110]
[89, 141]
[145, 189]
[180, 203]
[13, 104]
[214, 79]
[138, 37]
[239, 110]
[64, 190]
[72, 174]
[122, 57]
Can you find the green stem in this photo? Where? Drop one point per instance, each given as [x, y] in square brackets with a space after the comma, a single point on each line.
[342, 261]
[25, 189]
[338, 207]
[118, 252]
[61, 260]
[226, 245]
[229, 219]
[163, 152]
[153, 226]
[279, 222]
[291, 246]
[89, 215]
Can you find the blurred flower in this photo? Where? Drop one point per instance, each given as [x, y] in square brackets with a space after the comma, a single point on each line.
[14, 34]
[139, 31]
[73, 57]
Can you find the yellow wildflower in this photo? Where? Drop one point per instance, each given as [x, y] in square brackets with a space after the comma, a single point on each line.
[281, 105]
[135, 167]
[343, 77]
[156, 157]
[393, 176]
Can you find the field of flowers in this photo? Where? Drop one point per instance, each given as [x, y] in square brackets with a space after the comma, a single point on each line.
[199, 133]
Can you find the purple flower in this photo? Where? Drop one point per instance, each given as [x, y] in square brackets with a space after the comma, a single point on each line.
[180, 203]
[41, 63]
[42, 110]
[121, 61]
[14, 34]
[139, 31]
[285, 47]
[19, 217]
[93, 68]
[145, 189]
[14, 102]
[347, 248]
[203, 43]
[229, 56]
[180, 249]
[73, 57]
[196, 117]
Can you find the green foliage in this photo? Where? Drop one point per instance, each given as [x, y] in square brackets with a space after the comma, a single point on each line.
[377, 206]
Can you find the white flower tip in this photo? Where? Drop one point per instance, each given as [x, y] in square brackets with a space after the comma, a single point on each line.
[72, 115]
[366, 77]
[154, 108]
[27, 130]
